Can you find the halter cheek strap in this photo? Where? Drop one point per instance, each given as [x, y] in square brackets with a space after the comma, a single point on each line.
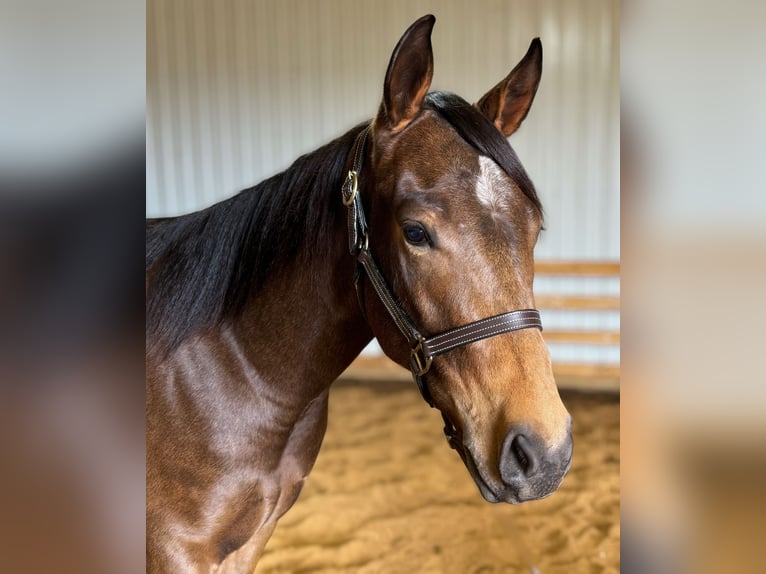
[422, 349]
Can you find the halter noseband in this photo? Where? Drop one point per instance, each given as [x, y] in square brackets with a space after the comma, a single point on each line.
[422, 349]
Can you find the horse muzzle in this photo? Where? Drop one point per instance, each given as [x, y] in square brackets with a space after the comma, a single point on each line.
[528, 470]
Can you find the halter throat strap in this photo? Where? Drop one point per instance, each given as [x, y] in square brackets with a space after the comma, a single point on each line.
[422, 349]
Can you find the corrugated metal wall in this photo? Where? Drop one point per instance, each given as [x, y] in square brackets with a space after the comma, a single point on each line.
[237, 89]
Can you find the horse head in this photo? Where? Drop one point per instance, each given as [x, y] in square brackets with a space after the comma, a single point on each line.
[453, 221]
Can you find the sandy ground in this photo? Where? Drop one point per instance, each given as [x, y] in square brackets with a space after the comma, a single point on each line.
[388, 495]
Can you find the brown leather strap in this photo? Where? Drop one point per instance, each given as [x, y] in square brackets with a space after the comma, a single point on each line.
[482, 329]
[357, 224]
[398, 315]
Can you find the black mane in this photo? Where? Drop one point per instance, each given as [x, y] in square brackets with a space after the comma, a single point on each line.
[203, 267]
[209, 262]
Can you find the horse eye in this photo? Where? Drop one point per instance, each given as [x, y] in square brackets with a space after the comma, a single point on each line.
[415, 235]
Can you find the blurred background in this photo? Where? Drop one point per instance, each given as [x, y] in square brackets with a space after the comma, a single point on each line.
[72, 180]
[693, 269]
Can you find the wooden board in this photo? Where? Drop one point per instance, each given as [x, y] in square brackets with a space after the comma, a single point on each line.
[583, 337]
[578, 302]
[578, 268]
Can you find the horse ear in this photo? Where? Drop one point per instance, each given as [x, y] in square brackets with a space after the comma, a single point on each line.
[408, 76]
[507, 104]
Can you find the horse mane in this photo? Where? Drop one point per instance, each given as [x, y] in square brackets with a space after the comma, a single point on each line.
[203, 267]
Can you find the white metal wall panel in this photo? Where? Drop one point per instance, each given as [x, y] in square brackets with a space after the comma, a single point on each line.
[237, 89]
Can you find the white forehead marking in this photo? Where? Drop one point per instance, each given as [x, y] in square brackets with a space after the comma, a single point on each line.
[489, 185]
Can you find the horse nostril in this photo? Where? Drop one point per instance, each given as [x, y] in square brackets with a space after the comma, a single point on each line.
[521, 457]
[521, 450]
[529, 467]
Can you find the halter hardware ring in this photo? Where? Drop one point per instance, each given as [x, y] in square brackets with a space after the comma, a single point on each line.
[420, 363]
[352, 181]
[363, 244]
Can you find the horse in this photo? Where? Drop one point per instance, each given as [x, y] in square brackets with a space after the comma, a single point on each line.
[418, 228]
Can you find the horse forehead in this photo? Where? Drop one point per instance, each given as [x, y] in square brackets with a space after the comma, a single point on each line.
[475, 181]
[432, 157]
[493, 189]
[435, 155]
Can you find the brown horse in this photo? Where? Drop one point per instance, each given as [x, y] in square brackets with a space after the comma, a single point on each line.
[255, 306]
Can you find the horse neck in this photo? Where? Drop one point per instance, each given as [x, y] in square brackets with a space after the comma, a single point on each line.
[305, 326]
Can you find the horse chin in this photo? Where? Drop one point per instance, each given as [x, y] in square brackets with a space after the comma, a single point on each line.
[490, 494]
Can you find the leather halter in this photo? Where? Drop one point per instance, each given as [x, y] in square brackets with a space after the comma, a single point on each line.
[422, 349]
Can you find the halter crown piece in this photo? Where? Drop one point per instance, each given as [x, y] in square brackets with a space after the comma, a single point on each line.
[422, 349]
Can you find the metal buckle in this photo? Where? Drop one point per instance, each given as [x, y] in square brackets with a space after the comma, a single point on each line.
[352, 183]
[419, 362]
